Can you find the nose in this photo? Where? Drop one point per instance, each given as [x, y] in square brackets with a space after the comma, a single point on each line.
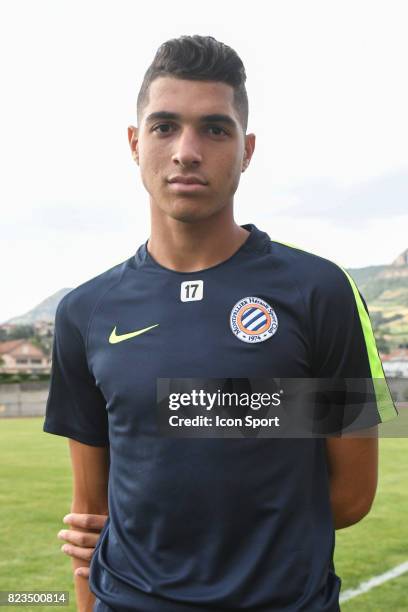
[187, 151]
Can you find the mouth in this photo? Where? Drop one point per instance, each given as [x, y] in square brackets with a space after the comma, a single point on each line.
[187, 184]
[186, 187]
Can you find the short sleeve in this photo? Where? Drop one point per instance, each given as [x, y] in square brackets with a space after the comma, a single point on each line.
[75, 405]
[345, 347]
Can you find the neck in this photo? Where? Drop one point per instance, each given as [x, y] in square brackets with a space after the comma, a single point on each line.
[189, 247]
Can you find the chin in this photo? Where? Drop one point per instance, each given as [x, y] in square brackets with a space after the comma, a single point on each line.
[189, 211]
[189, 216]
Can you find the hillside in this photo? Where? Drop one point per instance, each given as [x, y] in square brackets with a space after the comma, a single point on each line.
[44, 311]
[385, 289]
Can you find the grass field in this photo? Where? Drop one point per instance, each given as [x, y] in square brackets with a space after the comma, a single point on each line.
[35, 492]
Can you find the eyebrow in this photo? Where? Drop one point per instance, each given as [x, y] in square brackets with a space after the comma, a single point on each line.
[215, 118]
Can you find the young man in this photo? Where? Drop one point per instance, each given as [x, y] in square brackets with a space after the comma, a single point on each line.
[206, 524]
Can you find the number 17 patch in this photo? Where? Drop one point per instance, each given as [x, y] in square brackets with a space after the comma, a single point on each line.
[191, 291]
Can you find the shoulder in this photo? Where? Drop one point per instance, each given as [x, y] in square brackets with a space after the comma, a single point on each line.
[317, 277]
[77, 306]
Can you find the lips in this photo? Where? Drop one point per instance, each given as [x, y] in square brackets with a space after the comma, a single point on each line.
[187, 188]
[187, 180]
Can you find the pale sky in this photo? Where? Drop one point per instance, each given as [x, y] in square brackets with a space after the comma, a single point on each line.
[328, 101]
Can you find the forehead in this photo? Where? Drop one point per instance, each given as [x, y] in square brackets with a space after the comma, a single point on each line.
[190, 98]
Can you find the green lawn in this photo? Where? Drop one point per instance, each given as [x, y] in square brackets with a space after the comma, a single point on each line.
[380, 541]
[35, 493]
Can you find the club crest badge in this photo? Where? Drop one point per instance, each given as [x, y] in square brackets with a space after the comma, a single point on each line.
[253, 320]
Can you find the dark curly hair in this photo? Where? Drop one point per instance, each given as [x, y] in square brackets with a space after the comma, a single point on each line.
[200, 58]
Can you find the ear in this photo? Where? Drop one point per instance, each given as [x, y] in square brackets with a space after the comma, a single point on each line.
[249, 150]
[133, 142]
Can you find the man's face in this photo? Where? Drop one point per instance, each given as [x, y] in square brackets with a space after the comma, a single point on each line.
[189, 143]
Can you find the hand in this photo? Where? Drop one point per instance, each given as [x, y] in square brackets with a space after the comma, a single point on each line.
[81, 544]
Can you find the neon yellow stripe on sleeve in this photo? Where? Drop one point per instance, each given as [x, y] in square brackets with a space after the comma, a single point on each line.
[385, 403]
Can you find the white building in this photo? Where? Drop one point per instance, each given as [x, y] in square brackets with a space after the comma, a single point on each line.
[395, 364]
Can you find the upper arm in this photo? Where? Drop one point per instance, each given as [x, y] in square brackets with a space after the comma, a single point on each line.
[90, 470]
[76, 407]
[344, 348]
[353, 468]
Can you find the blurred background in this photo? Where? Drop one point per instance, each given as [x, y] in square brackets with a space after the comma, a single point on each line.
[328, 104]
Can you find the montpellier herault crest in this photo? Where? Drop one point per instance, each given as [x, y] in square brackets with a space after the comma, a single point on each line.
[253, 320]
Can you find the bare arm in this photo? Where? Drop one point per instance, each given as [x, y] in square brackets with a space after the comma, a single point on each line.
[353, 469]
[90, 467]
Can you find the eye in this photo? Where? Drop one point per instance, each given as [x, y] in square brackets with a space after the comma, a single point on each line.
[217, 127]
[162, 125]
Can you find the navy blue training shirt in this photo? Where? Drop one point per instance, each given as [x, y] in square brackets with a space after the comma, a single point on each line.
[208, 524]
